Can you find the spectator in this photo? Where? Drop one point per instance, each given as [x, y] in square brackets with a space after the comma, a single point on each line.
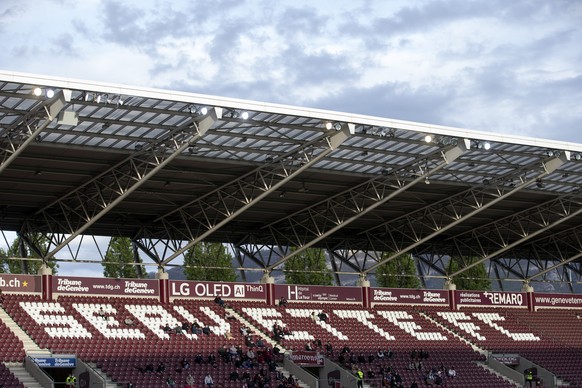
[451, 372]
[234, 376]
[128, 322]
[322, 316]
[414, 384]
[208, 380]
[184, 364]
[218, 300]
[170, 382]
[102, 313]
[161, 368]
[198, 359]
[190, 380]
[282, 302]
[329, 348]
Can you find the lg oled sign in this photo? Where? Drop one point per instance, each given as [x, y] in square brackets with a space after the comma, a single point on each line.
[212, 290]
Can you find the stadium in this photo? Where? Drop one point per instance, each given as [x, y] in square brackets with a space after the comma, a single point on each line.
[83, 162]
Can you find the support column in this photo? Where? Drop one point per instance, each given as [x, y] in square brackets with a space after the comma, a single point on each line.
[46, 275]
[529, 290]
[365, 284]
[269, 283]
[164, 284]
[452, 287]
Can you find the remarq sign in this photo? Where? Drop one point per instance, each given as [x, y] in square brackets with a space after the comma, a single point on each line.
[193, 289]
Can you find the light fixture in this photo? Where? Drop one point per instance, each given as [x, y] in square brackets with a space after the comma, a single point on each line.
[428, 138]
[328, 125]
[50, 93]
[244, 115]
[540, 183]
[577, 157]
[37, 92]
[138, 147]
[269, 159]
[337, 126]
[385, 172]
[426, 181]
[486, 181]
[486, 145]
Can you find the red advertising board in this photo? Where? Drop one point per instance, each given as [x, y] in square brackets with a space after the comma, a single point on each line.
[409, 296]
[490, 298]
[558, 300]
[306, 358]
[187, 289]
[105, 286]
[318, 293]
[20, 283]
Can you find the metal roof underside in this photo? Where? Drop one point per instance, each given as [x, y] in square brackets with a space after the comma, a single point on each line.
[156, 165]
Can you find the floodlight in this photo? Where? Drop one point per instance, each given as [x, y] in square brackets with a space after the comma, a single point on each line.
[244, 115]
[37, 92]
[428, 138]
[203, 110]
[337, 126]
[426, 181]
[486, 145]
[577, 157]
[50, 93]
[385, 172]
[540, 183]
[328, 125]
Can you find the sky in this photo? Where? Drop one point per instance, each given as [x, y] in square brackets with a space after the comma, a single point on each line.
[493, 65]
[512, 67]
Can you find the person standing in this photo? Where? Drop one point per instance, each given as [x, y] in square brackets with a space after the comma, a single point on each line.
[71, 381]
[360, 377]
[208, 380]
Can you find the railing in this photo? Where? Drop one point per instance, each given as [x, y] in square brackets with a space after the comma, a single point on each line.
[300, 373]
[38, 373]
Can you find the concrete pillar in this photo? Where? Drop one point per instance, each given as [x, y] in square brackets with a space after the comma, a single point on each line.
[452, 287]
[164, 285]
[46, 275]
[269, 283]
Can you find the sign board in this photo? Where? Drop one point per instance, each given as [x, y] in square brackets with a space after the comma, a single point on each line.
[187, 289]
[506, 358]
[306, 358]
[318, 293]
[409, 296]
[56, 361]
[558, 300]
[20, 283]
[105, 286]
[490, 298]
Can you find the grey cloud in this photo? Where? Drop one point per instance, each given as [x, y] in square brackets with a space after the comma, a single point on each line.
[393, 100]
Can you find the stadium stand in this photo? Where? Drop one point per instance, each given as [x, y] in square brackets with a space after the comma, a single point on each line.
[123, 335]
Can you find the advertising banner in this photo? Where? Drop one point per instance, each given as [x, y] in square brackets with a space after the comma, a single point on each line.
[20, 283]
[490, 298]
[506, 358]
[105, 286]
[409, 296]
[318, 293]
[64, 361]
[307, 358]
[558, 300]
[189, 289]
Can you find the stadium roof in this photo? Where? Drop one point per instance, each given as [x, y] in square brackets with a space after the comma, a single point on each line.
[170, 169]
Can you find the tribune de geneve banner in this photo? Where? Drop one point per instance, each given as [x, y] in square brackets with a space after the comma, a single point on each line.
[105, 286]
